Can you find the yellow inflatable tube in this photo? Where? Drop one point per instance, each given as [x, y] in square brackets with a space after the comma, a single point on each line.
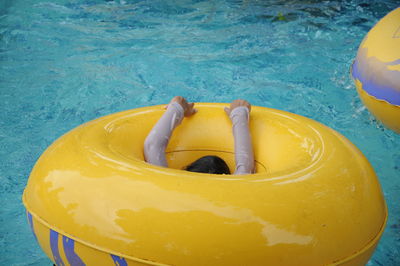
[376, 70]
[315, 199]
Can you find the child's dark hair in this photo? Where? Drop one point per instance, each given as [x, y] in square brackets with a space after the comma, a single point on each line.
[209, 165]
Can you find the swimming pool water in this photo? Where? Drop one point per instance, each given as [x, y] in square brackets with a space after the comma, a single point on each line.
[63, 63]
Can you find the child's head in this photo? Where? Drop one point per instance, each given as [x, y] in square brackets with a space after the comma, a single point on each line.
[209, 165]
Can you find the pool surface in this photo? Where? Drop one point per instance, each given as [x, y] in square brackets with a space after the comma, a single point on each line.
[64, 63]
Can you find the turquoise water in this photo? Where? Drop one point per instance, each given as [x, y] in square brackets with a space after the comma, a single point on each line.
[63, 63]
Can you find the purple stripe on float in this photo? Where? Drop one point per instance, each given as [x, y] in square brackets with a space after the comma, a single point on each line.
[54, 248]
[378, 88]
[30, 220]
[69, 249]
[119, 261]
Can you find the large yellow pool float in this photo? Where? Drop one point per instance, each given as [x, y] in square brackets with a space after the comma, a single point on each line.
[376, 70]
[314, 199]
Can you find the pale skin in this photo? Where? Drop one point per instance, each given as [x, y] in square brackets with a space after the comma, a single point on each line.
[188, 108]
[237, 103]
